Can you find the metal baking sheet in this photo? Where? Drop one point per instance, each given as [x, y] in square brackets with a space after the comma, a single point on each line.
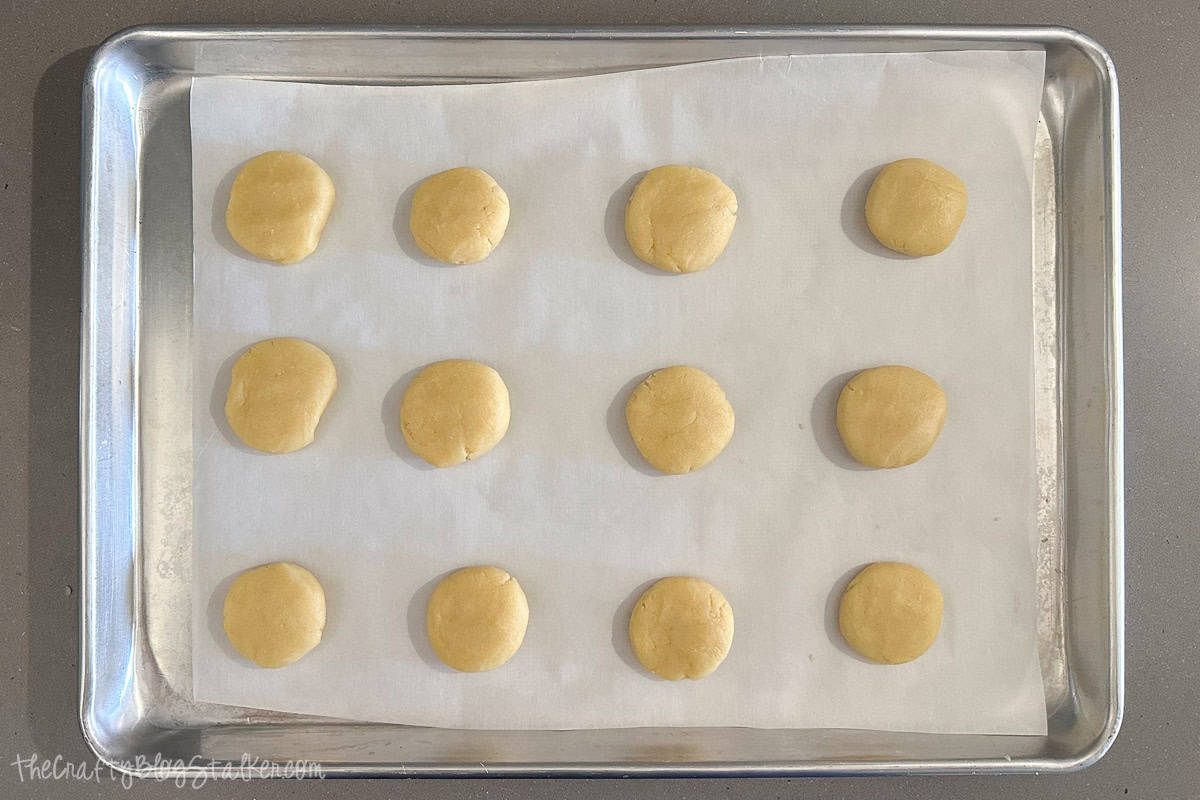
[135, 706]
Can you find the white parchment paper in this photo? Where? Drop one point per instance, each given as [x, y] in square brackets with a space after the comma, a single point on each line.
[801, 297]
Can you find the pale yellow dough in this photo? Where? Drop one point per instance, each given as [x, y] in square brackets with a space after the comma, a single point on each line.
[278, 206]
[278, 391]
[275, 613]
[476, 618]
[454, 411]
[459, 216]
[890, 416]
[679, 419]
[891, 612]
[915, 207]
[681, 628]
[680, 218]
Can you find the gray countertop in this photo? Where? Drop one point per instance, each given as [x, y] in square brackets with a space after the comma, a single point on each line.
[44, 49]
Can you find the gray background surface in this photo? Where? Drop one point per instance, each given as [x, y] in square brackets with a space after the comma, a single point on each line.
[44, 48]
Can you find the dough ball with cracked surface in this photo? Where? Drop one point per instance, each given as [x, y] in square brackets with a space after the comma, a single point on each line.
[459, 216]
[915, 207]
[277, 393]
[278, 206]
[679, 419]
[476, 618]
[681, 628]
[890, 416]
[274, 613]
[454, 411]
[891, 612]
[679, 218]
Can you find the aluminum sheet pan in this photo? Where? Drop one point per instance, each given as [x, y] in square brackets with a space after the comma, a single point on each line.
[135, 706]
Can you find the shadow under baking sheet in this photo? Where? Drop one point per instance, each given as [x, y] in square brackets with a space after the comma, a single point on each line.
[47, 473]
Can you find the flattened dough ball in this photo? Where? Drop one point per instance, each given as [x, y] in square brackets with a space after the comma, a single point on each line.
[454, 411]
[891, 612]
[679, 219]
[681, 628]
[890, 416]
[679, 419]
[476, 618]
[915, 207]
[278, 206]
[275, 613]
[459, 216]
[278, 391]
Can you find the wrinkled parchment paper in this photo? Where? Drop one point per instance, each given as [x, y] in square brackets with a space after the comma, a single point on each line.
[801, 297]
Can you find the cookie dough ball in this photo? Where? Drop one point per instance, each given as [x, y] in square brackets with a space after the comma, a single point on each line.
[275, 613]
[278, 206]
[891, 612]
[915, 207]
[679, 419]
[890, 416]
[680, 218]
[454, 411]
[681, 628]
[476, 618]
[459, 216]
[277, 394]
